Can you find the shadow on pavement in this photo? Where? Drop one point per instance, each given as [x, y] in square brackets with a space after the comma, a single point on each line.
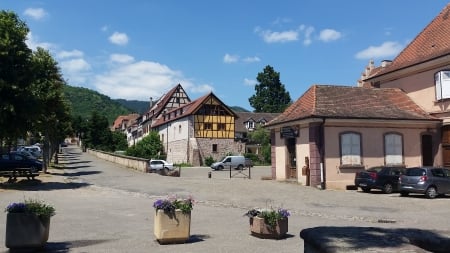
[38, 185]
[62, 247]
[344, 239]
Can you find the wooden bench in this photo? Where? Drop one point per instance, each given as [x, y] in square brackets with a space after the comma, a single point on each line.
[13, 174]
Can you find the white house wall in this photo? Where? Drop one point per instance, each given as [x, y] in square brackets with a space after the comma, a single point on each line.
[175, 139]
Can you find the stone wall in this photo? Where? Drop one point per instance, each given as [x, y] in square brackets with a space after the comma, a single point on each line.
[139, 164]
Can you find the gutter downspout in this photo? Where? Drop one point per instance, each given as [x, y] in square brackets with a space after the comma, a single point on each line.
[322, 155]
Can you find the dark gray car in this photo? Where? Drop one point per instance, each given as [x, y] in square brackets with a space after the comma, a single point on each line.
[431, 181]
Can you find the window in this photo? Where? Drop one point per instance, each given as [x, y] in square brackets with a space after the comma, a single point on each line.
[442, 81]
[214, 148]
[221, 126]
[350, 148]
[207, 126]
[393, 148]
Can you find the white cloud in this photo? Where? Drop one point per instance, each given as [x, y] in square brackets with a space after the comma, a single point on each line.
[250, 82]
[387, 49]
[251, 59]
[33, 43]
[275, 37]
[141, 80]
[121, 58]
[35, 13]
[327, 35]
[307, 32]
[228, 58]
[201, 89]
[75, 65]
[70, 54]
[119, 38]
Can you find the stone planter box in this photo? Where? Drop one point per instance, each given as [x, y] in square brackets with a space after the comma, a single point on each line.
[172, 228]
[260, 229]
[26, 231]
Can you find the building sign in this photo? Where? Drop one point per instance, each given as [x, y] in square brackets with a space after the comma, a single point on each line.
[289, 132]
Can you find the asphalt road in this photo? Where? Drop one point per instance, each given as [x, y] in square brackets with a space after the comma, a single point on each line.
[102, 207]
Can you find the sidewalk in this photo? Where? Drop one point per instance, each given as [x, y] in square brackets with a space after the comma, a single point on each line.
[115, 214]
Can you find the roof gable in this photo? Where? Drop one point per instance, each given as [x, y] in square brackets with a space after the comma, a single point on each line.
[174, 98]
[432, 42]
[192, 108]
[328, 101]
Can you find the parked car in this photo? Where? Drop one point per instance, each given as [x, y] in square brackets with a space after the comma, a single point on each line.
[233, 161]
[158, 165]
[13, 160]
[27, 154]
[384, 178]
[34, 150]
[431, 181]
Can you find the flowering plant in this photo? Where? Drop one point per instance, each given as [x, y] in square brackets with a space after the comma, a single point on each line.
[33, 206]
[270, 216]
[170, 204]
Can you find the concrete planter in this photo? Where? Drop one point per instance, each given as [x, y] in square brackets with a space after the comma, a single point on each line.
[26, 231]
[172, 227]
[260, 229]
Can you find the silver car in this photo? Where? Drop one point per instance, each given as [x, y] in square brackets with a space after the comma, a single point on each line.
[160, 165]
[431, 181]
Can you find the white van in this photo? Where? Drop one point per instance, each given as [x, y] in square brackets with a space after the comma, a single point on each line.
[235, 161]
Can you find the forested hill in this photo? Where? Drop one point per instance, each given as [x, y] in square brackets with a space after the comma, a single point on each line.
[85, 101]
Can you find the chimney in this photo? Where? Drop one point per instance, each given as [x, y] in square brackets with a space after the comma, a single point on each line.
[151, 102]
[385, 63]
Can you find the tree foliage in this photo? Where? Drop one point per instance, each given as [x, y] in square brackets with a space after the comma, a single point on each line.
[15, 78]
[262, 136]
[270, 95]
[149, 147]
[31, 98]
[51, 115]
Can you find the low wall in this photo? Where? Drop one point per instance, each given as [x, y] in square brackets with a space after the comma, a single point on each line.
[139, 164]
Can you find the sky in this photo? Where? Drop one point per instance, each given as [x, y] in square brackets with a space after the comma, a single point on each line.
[140, 49]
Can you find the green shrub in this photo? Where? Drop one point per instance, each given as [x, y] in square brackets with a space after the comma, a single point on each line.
[209, 160]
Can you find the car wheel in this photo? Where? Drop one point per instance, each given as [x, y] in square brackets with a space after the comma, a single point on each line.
[431, 192]
[240, 167]
[220, 168]
[387, 188]
[404, 194]
[365, 189]
[165, 171]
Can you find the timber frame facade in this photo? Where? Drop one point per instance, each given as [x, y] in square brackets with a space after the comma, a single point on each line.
[197, 130]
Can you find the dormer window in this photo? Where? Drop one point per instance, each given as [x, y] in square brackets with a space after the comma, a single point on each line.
[442, 81]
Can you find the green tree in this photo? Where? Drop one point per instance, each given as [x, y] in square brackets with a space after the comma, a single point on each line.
[149, 147]
[270, 96]
[51, 115]
[99, 135]
[119, 141]
[15, 78]
[261, 136]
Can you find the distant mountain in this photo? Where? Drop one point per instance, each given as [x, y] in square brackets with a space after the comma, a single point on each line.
[85, 101]
[238, 109]
[136, 106]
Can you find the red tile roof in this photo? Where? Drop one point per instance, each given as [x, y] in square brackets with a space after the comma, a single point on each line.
[332, 101]
[190, 109]
[432, 42]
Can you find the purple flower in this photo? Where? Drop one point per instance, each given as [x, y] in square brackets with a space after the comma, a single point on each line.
[283, 213]
[16, 208]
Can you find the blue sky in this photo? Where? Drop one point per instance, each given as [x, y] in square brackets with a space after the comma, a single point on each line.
[139, 49]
